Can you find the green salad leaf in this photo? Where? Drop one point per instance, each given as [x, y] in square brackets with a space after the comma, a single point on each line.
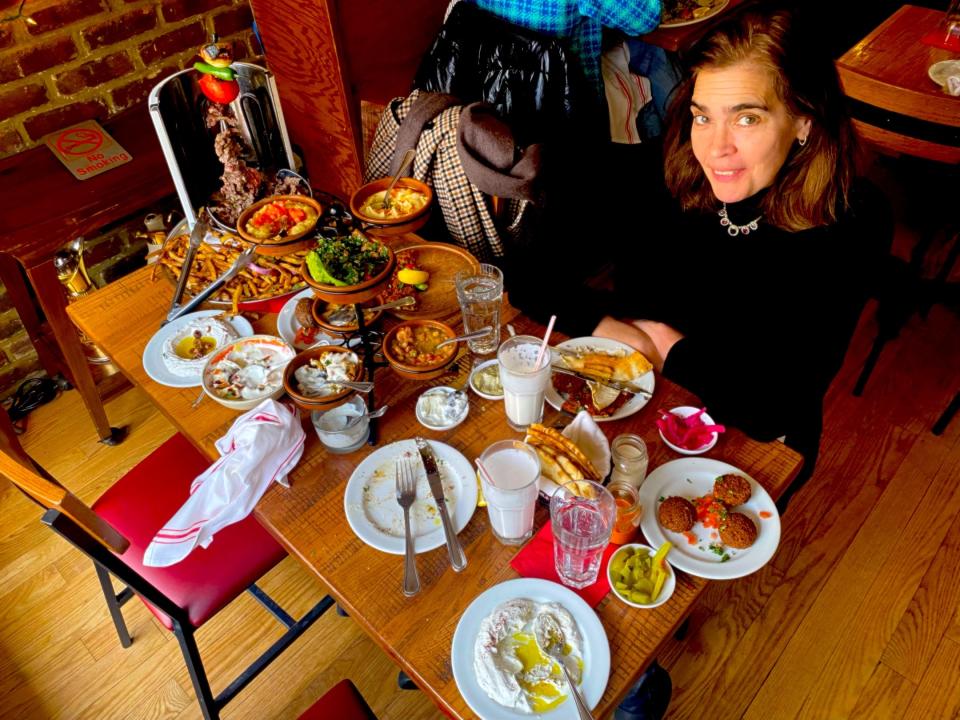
[346, 259]
[319, 272]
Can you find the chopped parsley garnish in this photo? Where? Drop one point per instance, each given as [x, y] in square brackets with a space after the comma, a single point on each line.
[720, 551]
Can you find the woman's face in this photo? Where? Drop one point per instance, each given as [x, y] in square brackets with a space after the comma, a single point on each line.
[741, 131]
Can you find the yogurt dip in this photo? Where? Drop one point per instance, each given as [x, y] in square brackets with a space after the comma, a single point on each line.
[250, 371]
[186, 351]
[319, 377]
[510, 666]
[441, 408]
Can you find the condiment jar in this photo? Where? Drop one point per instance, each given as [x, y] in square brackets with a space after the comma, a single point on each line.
[629, 455]
[629, 510]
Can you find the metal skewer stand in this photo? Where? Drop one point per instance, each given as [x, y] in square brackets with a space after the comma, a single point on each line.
[370, 364]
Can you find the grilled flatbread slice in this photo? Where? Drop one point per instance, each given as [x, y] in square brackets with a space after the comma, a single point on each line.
[606, 366]
[562, 446]
[549, 465]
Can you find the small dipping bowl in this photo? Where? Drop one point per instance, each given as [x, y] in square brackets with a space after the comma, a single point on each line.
[345, 428]
[669, 584]
[477, 382]
[682, 412]
[430, 410]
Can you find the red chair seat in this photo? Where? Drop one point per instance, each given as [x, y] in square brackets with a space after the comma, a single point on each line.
[343, 702]
[144, 499]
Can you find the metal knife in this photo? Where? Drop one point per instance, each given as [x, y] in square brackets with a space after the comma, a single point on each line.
[623, 387]
[458, 561]
[243, 259]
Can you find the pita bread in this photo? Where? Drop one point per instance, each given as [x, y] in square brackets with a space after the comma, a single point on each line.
[575, 464]
[605, 366]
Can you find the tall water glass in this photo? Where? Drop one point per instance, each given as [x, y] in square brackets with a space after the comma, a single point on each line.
[480, 293]
[511, 489]
[582, 514]
[524, 382]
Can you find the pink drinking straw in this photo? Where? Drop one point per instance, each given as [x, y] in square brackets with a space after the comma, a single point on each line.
[546, 340]
[483, 470]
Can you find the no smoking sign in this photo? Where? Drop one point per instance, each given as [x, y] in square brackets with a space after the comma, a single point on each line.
[86, 149]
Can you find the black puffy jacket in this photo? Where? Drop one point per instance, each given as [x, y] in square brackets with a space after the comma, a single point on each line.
[532, 80]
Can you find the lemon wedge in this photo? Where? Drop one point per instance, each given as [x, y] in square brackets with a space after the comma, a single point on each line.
[410, 276]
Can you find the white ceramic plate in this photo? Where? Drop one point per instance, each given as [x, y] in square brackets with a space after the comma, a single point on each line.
[717, 7]
[646, 381]
[473, 373]
[153, 352]
[939, 72]
[596, 650]
[370, 500]
[287, 324]
[691, 478]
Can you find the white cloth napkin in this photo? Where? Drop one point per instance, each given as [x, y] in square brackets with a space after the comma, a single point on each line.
[586, 435]
[260, 448]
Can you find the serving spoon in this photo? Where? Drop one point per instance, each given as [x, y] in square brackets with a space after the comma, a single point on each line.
[408, 157]
[475, 335]
[551, 640]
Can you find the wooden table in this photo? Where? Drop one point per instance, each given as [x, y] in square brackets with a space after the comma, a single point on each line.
[44, 207]
[896, 106]
[309, 520]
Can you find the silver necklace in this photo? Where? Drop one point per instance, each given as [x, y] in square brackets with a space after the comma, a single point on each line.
[732, 228]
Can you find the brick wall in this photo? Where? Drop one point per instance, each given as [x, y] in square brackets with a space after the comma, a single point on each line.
[83, 59]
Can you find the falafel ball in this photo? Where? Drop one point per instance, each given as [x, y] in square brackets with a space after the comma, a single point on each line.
[677, 514]
[732, 490]
[302, 312]
[738, 531]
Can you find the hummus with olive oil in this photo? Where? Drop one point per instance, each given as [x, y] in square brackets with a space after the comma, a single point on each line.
[511, 667]
[186, 351]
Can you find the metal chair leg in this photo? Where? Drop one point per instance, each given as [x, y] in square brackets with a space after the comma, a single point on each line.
[201, 686]
[113, 604]
[941, 424]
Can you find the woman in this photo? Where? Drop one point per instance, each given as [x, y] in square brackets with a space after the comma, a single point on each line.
[745, 286]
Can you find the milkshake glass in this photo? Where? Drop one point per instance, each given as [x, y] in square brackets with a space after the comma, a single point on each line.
[524, 383]
[511, 489]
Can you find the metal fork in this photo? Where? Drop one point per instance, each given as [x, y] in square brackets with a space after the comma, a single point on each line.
[406, 494]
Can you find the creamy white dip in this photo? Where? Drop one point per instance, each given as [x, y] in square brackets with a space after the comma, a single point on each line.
[250, 371]
[512, 669]
[219, 331]
[320, 376]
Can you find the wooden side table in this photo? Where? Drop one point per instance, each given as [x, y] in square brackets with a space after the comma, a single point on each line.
[43, 208]
[896, 106]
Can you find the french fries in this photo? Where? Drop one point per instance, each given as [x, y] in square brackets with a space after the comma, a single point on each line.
[212, 261]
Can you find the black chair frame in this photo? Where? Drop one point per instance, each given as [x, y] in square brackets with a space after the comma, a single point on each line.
[107, 564]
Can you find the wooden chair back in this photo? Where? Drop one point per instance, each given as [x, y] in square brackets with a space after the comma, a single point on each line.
[35, 483]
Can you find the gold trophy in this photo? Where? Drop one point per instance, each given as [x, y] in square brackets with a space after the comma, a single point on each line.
[73, 275]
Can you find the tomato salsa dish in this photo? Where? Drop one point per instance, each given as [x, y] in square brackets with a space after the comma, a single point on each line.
[281, 218]
[416, 345]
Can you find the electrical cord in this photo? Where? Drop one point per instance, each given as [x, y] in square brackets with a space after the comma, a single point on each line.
[29, 396]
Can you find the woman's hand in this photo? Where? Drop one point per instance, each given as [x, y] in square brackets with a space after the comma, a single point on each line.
[630, 334]
[661, 335]
[653, 339]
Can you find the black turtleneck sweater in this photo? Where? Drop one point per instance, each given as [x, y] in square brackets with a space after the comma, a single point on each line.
[766, 317]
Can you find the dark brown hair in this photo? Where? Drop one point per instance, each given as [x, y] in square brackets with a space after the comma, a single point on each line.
[812, 188]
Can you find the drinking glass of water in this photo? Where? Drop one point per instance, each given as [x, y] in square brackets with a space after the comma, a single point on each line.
[582, 514]
[480, 293]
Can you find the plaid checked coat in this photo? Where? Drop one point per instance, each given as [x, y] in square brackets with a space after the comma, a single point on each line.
[466, 210]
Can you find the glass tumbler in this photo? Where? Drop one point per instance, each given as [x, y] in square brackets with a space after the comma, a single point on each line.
[582, 515]
[480, 293]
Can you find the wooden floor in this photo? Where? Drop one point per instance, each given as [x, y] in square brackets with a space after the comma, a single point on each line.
[856, 616]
